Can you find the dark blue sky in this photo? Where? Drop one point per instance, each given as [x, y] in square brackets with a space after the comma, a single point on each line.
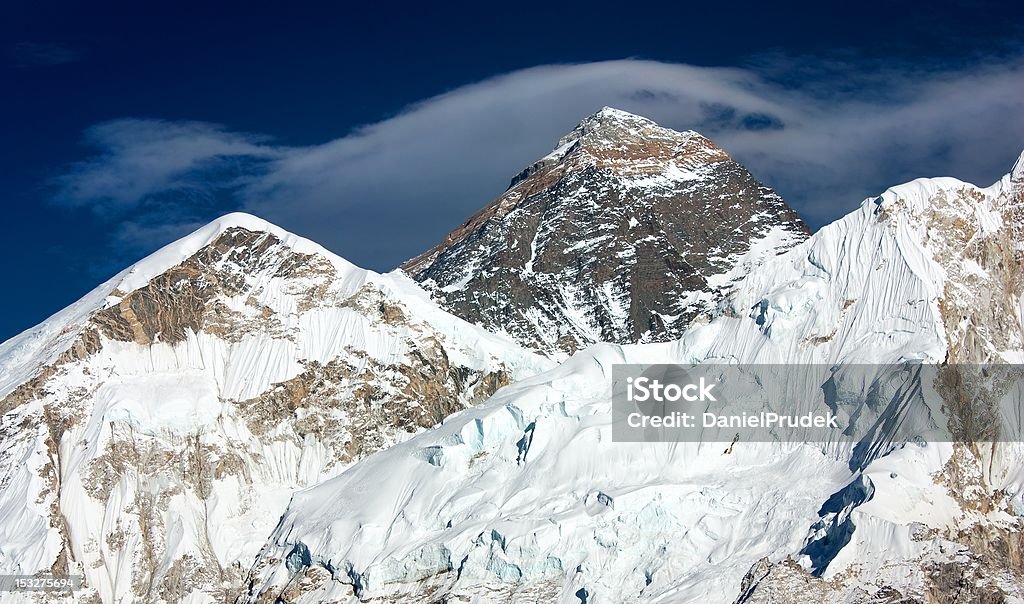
[283, 90]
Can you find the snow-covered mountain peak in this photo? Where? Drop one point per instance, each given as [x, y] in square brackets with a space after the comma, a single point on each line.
[611, 113]
[954, 249]
[168, 256]
[156, 428]
[625, 143]
[610, 121]
[230, 254]
[626, 232]
[622, 123]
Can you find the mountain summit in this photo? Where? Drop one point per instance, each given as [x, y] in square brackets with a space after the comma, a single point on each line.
[626, 232]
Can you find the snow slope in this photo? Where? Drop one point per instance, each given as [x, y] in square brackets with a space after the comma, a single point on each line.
[526, 498]
[153, 431]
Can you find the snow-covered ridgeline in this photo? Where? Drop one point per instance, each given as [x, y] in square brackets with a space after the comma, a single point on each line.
[22, 355]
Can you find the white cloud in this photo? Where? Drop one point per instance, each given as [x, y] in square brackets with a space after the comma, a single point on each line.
[391, 189]
[140, 158]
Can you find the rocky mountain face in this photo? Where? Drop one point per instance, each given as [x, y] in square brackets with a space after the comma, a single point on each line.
[527, 497]
[152, 433]
[626, 232]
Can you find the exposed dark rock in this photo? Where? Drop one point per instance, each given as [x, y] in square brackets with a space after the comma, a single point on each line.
[611, 238]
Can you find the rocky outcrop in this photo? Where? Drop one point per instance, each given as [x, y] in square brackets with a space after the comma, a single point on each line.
[185, 298]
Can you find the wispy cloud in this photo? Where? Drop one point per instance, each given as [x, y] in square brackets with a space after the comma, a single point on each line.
[40, 54]
[153, 163]
[825, 134]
